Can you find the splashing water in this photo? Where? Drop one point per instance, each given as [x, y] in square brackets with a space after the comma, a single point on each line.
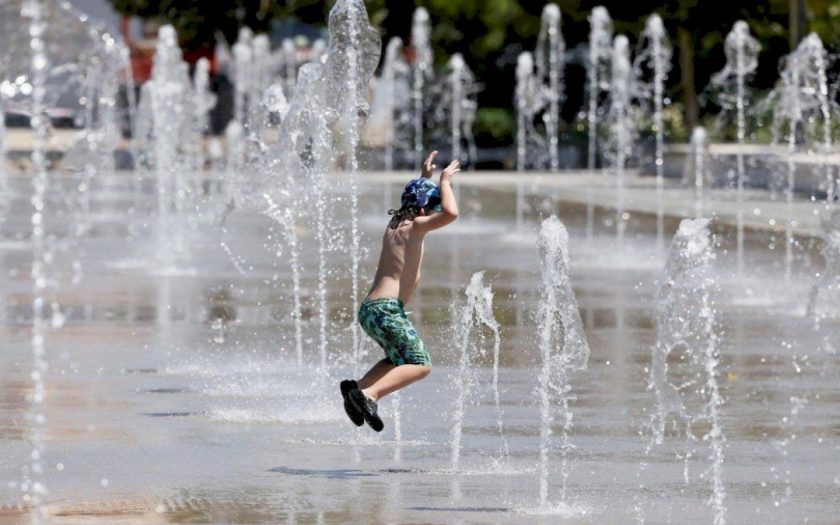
[549, 55]
[827, 283]
[600, 44]
[742, 51]
[685, 358]
[563, 347]
[423, 74]
[470, 318]
[654, 56]
[622, 127]
[288, 58]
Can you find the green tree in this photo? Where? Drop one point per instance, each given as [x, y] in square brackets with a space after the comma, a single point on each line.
[199, 21]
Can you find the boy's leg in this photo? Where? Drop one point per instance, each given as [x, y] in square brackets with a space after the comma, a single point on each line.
[394, 379]
[375, 373]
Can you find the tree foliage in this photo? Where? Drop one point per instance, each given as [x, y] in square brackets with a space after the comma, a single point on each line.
[199, 21]
[491, 33]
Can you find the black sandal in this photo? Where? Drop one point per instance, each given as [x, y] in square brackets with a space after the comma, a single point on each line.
[355, 416]
[366, 406]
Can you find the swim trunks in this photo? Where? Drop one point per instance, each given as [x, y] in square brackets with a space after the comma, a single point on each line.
[384, 320]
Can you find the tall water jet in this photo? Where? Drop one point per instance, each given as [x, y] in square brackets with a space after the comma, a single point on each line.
[357, 64]
[389, 72]
[285, 218]
[685, 358]
[203, 101]
[551, 49]
[423, 68]
[242, 75]
[324, 112]
[654, 58]
[819, 105]
[472, 317]
[698, 168]
[101, 88]
[457, 71]
[527, 99]
[600, 47]
[168, 89]
[563, 348]
[622, 128]
[390, 112]
[742, 51]
[801, 97]
[4, 177]
[261, 77]
[35, 491]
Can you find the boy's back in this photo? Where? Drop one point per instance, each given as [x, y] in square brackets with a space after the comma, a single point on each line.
[398, 271]
[399, 263]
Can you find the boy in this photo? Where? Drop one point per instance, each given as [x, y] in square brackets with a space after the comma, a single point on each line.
[425, 207]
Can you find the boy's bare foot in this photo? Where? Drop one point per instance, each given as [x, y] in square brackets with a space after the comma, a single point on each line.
[355, 415]
[368, 407]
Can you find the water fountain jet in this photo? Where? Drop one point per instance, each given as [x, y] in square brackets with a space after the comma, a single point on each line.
[474, 315]
[698, 168]
[600, 46]
[742, 51]
[564, 350]
[622, 127]
[423, 74]
[549, 56]
[655, 56]
[686, 324]
[528, 101]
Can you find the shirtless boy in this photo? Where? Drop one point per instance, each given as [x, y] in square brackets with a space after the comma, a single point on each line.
[425, 207]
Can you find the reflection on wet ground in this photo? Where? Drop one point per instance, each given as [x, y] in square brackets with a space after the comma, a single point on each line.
[174, 395]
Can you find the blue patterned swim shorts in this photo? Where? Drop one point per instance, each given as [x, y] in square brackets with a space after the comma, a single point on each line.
[384, 320]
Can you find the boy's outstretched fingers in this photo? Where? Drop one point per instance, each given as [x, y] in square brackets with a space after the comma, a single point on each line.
[454, 167]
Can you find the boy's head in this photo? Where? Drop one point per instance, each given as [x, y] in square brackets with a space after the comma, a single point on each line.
[419, 197]
[421, 194]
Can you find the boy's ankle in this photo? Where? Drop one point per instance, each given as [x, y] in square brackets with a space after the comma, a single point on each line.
[370, 395]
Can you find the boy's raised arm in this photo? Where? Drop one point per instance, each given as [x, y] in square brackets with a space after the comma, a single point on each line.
[448, 204]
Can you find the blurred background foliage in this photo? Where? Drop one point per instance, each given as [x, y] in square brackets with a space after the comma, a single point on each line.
[491, 34]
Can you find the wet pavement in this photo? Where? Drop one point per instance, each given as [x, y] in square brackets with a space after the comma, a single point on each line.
[174, 394]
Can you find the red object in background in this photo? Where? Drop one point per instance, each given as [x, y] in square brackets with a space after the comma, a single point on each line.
[193, 55]
[142, 53]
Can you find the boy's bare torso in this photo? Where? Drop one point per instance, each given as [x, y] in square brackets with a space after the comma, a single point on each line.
[399, 263]
[398, 271]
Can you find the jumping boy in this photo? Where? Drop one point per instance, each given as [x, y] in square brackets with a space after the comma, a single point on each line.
[425, 207]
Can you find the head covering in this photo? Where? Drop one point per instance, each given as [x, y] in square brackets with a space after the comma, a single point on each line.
[422, 193]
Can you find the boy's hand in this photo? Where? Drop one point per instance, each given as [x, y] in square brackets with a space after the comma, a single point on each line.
[453, 168]
[429, 166]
